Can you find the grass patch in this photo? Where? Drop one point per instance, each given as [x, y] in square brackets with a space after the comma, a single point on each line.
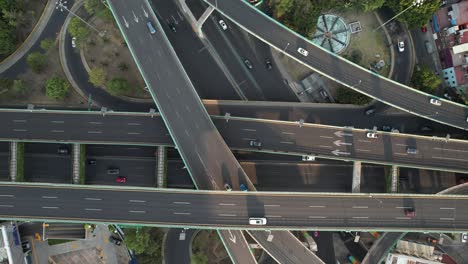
[20, 162]
[82, 164]
[165, 168]
[388, 178]
[52, 242]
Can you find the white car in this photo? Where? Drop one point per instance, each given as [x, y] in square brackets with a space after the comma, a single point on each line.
[74, 42]
[401, 46]
[223, 24]
[435, 102]
[308, 158]
[257, 221]
[372, 135]
[303, 51]
[464, 237]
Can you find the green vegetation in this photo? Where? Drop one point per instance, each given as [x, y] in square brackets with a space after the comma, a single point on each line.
[7, 39]
[345, 95]
[52, 242]
[117, 86]
[82, 164]
[146, 242]
[97, 8]
[20, 162]
[5, 84]
[11, 17]
[424, 79]
[57, 88]
[198, 258]
[97, 76]
[19, 87]
[47, 44]
[37, 61]
[388, 178]
[78, 29]
[301, 15]
[416, 16]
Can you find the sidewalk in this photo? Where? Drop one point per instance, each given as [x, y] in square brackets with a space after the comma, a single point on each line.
[31, 39]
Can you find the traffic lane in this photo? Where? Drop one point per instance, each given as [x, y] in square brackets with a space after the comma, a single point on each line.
[44, 148]
[177, 250]
[4, 161]
[138, 171]
[236, 244]
[232, 60]
[284, 240]
[49, 168]
[161, 207]
[115, 150]
[331, 142]
[189, 124]
[95, 127]
[339, 69]
[198, 62]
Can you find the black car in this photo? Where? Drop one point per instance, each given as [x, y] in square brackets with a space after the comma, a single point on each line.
[172, 27]
[63, 150]
[369, 111]
[248, 64]
[268, 64]
[115, 240]
[92, 162]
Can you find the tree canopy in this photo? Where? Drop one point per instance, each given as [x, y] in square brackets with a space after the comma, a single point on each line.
[57, 88]
[78, 29]
[146, 242]
[425, 79]
[345, 95]
[118, 86]
[97, 76]
[37, 61]
[417, 15]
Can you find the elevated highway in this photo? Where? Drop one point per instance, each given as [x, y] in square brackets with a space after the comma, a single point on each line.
[276, 137]
[339, 69]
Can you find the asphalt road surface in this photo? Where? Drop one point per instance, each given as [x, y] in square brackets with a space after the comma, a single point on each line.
[178, 250]
[4, 161]
[42, 163]
[338, 69]
[204, 209]
[275, 136]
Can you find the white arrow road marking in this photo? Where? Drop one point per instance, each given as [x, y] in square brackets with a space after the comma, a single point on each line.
[232, 237]
[144, 12]
[338, 143]
[125, 22]
[135, 17]
[341, 134]
[337, 153]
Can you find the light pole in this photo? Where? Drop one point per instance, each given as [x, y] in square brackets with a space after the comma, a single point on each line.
[416, 3]
[62, 5]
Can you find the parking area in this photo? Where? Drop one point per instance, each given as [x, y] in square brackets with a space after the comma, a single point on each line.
[105, 165]
[44, 162]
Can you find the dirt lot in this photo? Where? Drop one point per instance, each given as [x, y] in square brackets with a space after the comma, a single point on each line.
[111, 53]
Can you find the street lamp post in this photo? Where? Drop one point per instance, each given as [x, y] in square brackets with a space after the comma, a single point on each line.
[62, 5]
[416, 3]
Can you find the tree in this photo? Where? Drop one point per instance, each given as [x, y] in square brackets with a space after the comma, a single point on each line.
[117, 86]
[57, 88]
[5, 84]
[199, 258]
[424, 79]
[19, 87]
[37, 61]
[415, 16]
[367, 5]
[78, 29]
[97, 8]
[97, 76]
[345, 95]
[47, 44]
[7, 39]
[146, 242]
[123, 66]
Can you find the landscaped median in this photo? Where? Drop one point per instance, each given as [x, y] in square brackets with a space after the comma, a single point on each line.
[20, 162]
[82, 164]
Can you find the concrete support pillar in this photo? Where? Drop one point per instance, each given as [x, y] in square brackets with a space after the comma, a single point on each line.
[76, 154]
[395, 178]
[161, 167]
[356, 186]
[13, 160]
[203, 18]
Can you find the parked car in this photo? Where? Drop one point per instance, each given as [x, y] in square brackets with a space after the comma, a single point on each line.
[223, 24]
[303, 51]
[423, 29]
[435, 101]
[115, 240]
[248, 64]
[257, 221]
[227, 187]
[121, 179]
[73, 42]
[401, 46]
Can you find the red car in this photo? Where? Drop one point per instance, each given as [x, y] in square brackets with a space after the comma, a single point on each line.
[121, 179]
[410, 212]
[423, 29]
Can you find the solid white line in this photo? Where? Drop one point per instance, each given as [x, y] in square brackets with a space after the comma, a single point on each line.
[325, 137]
[401, 154]
[315, 217]
[360, 207]
[273, 216]
[6, 205]
[226, 214]
[316, 206]
[323, 146]
[403, 218]
[137, 201]
[457, 150]
[57, 122]
[57, 131]
[360, 217]
[94, 132]
[49, 207]
[287, 133]
[404, 145]
[366, 141]
[133, 124]
[447, 208]
[19, 121]
[93, 209]
[49, 197]
[20, 130]
[363, 150]
[286, 142]
[182, 213]
[249, 129]
[6, 195]
[436, 157]
[182, 203]
[93, 199]
[403, 207]
[448, 219]
[272, 205]
[226, 204]
[138, 212]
